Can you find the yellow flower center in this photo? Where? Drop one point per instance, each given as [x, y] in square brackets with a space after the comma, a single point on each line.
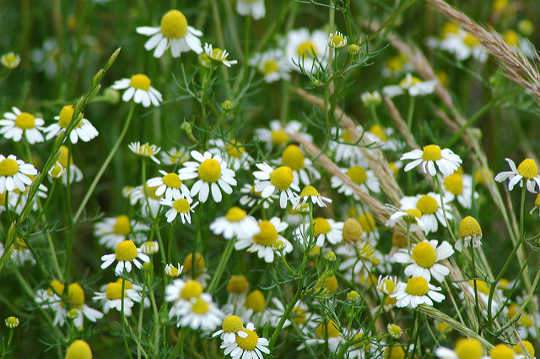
[424, 255]
[25, 121]
[481, 286]
[427, 204]
[524, 347]
[237, 284]
[146, 150]
[234, 149]
[454, 183]
[306, 49]
[414, 213]
[394, 352]
[232, 324]
[2, 199]
[469, 227]
[200, 264]
[8, 167]
[122, 225]
[357, 174]
[210, 170]
[336, 40]
[309, 191]
[75, 295]
[235, 214]
[200, 306]
[279, 137]
[511, 38]
[66, 115]
[299, 315]
[329, 330]
[501, 351]
[249, 342]
[267, 236]
[528, 168]
[331, 284]
[321, 226]
[79, 349]
[293, 157]
[388, 286]
[191, 289]
[174, 24]
[140, 82]
[282, 177]
[125, 251]
[217, 54]
[270, 66]
[181, 205]
[469, 349]
[56, 287]
[114, 291]
[450, 28]
[63, 156]
[417, 286]
[150, 192]
[378, 131]
[471, 40]
[431, 153]
[172, 180]
[367, 222]
[352, 230]
[255, 301]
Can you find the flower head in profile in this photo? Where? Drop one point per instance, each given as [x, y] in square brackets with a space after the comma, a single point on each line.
[309, 194]
[139, 88]
[253, 8]
[411, 85]
[16, 125]
[525, 173]
[360, 176]
[278, 135]
[470, 233]
[432, 160]
[126, 255]
[174, 32]
[145, 150]
[113, 230]
[84, 130]
[10, 60]
[337, 40]
[218, 55]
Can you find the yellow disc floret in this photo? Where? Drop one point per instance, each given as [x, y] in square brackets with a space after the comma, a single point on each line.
[174, 24]
[424, 254]
[181, 205]
[282, 177]
[172, 180]
[379, 132]
[306, 49]
[249, 342]
[279, 137]
[309, 191]
[122, 225]
[140, 82]
[210, 170]
[66, 115]
[191, 289]
[270, 66]
[454, 183]
[524, 347]
[79, 349]
[8, 167]
[255, 301]
[232, 324]
[357, 174]
[237, 284]
[293, 157]
[25, 121]
[528, 168]
[200, 306]
[501, 351]
[267, 236]
[469, 227]
[75, 295]
[431, 153]
[321, 226]
[427, 204]
[469, 348]
[352, 230]
[330, 330]
[417, 286]
[126, 251]
[235, 214]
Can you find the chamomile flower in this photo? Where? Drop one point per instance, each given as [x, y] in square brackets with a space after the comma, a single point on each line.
[345, 147]
[218, 55]
[174, 271]
[411, 85]
[387, 285]
[381, 137]
[278, 134]
[231, 327]
[145, 150]
[251, 198]
[111, 296]
[482, 289]
[267, 242]
[469, 348]
[410, 216]
[432, 159]
[65, 167]
[521, 44]
[174, 32]
[325, 230]
[299, 316]
[525, 322]
[235, 224]
[113, 230]
[253, 308]
[536, 206]
[84, 130]
[337, 40]
[127, 255]
[146, 197]
[15, 174]
[362, 177]
[16, 125]
[212, 176]
[526, 172]
[459, 186]
[310, 194]
[253, 8]
[432, 210]
[396, 66]
[20, 254]
[10, 60]
[307, 50]
[417, 291]
[424, 259]
[303, 169]
[139, 88]
[174, 156]
[182, 206]
[270, 180]
[459, 43]
[470, 233]
[250, 346]
[371, 98]
[168, 184]
[326, 332]
[272, 64]
[233, 152]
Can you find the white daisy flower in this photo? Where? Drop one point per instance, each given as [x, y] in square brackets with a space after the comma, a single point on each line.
[410, 216]
[424, 259]
[218, 55]
[139, 88]
[111, 296]
[272, 64]
[460, 43]
[174, 33]
[412, 85]
[113, 230]
[250, 346]
[251, 198]
[303, 169]
[362, 177]
[345, 147]
[270, 180]
[84, 131]
[470, 233]
[325, 230]
[465, 348]
[278, 134]
[252, 308]
[235, 224]
[431, 210]
[126, 254]
[417, 291]
[145, 150]
[299, 315]
[482, 288]
[232, 152]
[306, 50]
[16, 124]
[212, 176]
[174, 271]
[326, 332]
[519, 43]
[231, 327]
[168, 184]
[20, 254]
[310, 194]
[446, 161]
[267, 242]
[527, 172]
[15, 174]
[174, 156]
[459, 186]
[65, 168]
[381, 137]
[182, 206]
[253, 8]
[146, 197]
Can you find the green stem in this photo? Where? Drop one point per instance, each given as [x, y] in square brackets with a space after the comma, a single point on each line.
[221, 266]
